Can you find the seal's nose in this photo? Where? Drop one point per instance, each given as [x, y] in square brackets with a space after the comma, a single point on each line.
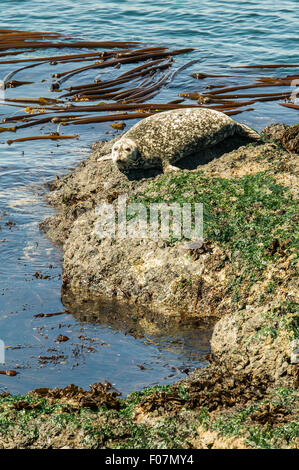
[120, 157]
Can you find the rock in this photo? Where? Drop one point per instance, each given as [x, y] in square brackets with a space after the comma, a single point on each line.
[288, 136]
[274, 131]
[169, 280]
[294, 356]
[290, 139]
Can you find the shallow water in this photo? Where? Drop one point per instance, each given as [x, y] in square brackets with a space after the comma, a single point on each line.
[224, 35]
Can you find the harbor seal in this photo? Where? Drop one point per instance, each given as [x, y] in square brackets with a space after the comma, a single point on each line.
[164, 138]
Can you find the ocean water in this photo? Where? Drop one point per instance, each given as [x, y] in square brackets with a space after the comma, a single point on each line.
[224, 35]
[240, 30]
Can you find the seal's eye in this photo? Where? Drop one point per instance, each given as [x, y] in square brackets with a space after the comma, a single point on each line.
[128, 149]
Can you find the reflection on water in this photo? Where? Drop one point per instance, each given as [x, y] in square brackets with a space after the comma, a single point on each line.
[90, 341]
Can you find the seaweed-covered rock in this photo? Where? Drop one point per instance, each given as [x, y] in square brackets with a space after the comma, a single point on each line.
[290, 139]
[243, 274]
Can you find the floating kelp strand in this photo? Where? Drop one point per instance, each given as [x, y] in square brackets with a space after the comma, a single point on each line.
[140, 90]
[191, 95]
[94, 87]
[150, 78]
[271, 80]
[232, 113]
[5, 103]
[109, 63]
[175, 102]
[5, 54]
[75, 72]
[158, 85]
[144, 97]
[244, 87]
[18, 32]
[266, 66]
[99, 91]
[141, 73]
[183, 67]
[289, 105]
[56, 119]
[22, 117]
[53, 119]
[214, 98]
[68, 61]
[60, 45]
[89, 88]
[249, 95]
[27, 118]
[58, 58]
[202, 97]
[130, 90]
[14, 72]
[115, 54]
[200, 76]
[77, 88]
[17, 38]
[228, 105]
[113, 96]
[109, 85]
[46, 315]
[128, 60]
[16, 83]
[129, 94]
[142, 67]
[216, 85]
[111, 117]
[41, 101]
[256, 100]
[126, 94]
[94, 97]
[10, 31]
[66, 75]
[32, 33]
[138, 51]
[11, 373]
[34, 122]
[121, 107]
[36, 112]
[8, 129]
[272, 98]
[138, 71]
[21, 42]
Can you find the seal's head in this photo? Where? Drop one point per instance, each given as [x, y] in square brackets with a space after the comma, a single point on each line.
[125, 153]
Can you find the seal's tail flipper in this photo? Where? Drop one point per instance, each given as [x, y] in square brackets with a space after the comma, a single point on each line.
[167, 168]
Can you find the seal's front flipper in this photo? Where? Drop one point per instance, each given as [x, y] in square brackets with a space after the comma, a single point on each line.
[105, 157]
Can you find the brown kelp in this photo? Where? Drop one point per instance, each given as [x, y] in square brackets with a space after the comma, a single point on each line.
[218, 96]
[129, 90]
